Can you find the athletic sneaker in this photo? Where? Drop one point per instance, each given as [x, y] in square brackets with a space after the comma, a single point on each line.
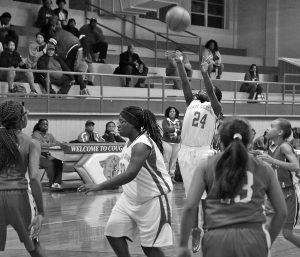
[84, 91]
[56, 186]
[197, 235]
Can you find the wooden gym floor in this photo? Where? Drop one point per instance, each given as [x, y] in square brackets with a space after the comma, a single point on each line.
[74, 226]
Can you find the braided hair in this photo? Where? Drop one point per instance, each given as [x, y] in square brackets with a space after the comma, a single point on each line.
[11, 113]
[144, 121]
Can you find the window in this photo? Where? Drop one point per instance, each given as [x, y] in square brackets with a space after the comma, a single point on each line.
[208, 13]
[160, 14]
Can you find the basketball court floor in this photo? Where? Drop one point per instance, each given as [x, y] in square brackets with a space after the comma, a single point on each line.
[74, 227]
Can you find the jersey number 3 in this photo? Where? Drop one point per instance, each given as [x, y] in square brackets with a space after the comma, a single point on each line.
[249, 192]
[197, 120]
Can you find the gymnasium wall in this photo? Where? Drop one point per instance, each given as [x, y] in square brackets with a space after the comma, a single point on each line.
[67, 127]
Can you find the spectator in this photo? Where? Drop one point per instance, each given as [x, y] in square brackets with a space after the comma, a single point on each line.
[61, 13]
[296, 138]
[261, 143]
[95, 41]
[89, 136]
[74, 52]
[71, 27]
[45, 13]
[171, 126]
[171, 69]
[131, 64]
[10, 58]
[6, 31]
[252, 88]
[211, 52]
[52, 61]
[52, 166]
[36, 49]
[110, 135]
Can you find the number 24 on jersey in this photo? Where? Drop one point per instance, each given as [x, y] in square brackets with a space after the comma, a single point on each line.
[198, 120]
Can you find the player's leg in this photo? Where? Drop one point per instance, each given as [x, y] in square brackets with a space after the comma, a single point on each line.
[173, 159]
[120, 227]
[153, 251]
[167, 154]
[288, 228]
[119, 245]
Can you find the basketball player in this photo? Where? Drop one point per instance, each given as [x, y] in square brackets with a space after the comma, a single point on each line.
[283, 160]
[198, 129]
[236, 184]
[144, 205]
[19, 154]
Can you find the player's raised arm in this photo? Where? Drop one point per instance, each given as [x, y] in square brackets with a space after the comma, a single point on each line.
[216, 105]
[186, 87]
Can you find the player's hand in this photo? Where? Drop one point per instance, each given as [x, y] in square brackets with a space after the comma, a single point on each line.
[35, 226]
[88, 188]
[176, 56]
[265, 157]
[205, 63]
[184, 252]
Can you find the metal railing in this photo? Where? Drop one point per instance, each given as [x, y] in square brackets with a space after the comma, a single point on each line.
[156, 35]
[275, 95]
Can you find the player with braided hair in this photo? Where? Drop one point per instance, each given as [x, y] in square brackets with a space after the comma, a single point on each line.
[19, 154]
[144, 205]
[198, 130]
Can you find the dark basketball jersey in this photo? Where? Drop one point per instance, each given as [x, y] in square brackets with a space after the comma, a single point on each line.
[284, 176]
[247, 206]
[12, 177]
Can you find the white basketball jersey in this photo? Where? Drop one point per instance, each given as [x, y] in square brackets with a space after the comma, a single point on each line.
[153, 178]
[199, 124]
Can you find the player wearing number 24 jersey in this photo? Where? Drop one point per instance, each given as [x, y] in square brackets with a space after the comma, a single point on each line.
[198, 130]
[236, 184]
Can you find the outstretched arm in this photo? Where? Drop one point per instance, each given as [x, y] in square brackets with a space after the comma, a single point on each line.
[216, 105]
[186, 87]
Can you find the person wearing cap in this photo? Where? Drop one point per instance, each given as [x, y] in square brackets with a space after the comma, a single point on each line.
[74, 51]
[51, 61]
[95, 41]
[171, 69]
[88, 135]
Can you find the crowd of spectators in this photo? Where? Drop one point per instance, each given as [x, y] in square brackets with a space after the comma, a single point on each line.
[60, 46]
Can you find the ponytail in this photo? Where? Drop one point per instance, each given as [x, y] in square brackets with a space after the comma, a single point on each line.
[231, 171]
[153, 129]
[11, 113]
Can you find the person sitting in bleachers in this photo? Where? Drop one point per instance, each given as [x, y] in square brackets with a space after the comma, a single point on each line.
[35, 50]
[7, 32]
[61, 12]
[74, 52]
[95, 40]
[171, 69]
[44, 15]
[88, 135]
[211, 52]
[254, 89]
[71, 27]
[131, 64]
[110, 134]
[10, 58]
[52, 61]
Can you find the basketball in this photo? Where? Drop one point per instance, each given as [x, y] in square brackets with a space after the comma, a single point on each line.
[178, 19]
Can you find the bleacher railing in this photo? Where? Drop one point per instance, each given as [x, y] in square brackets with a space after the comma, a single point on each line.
[156, 35]
[160, 99]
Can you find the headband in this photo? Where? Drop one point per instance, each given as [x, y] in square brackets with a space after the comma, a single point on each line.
[132, 119]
